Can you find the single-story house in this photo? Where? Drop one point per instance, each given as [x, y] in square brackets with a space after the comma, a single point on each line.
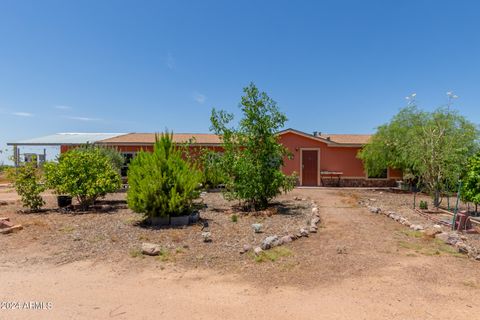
[318, 159]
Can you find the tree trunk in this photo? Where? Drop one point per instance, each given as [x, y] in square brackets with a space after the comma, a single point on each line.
[436, 198]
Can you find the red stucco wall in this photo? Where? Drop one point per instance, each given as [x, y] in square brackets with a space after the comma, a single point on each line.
[342, 159]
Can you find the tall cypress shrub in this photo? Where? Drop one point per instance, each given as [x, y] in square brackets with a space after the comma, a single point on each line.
[162, 183]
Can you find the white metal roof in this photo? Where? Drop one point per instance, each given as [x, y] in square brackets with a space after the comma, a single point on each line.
[67, 138]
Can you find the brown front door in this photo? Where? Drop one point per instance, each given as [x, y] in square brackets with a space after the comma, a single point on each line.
[309, 167]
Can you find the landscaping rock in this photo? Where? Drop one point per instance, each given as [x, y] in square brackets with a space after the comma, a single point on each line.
[312, 229]
[286, 239]
[151, 249]
[442, 236]
[315, 220]
[461, 247]
[257, 250]
[303, 232]
[6, 226]
[314, 210]
[257, 227]
[453, 238]
[431, 232]
[207, 236]
[246, 248]
[416, 227]
[472, 252]
[374, 209]
[270, 242]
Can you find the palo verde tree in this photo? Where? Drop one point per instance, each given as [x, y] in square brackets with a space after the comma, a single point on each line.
[253, 156]
[433, 147]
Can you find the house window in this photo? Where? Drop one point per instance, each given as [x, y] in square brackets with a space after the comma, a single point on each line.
[382, 175]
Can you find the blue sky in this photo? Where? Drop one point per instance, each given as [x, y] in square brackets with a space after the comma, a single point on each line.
[142, 66]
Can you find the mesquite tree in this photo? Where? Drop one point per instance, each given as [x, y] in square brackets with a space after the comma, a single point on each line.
[433, 147]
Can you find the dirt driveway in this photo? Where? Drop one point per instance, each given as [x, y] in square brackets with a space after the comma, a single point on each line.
[355, 268]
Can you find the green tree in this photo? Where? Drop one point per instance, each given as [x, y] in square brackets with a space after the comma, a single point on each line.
[112, 153]
[433, 147]
[26, 181]
[210, 162]
[162, 183]
[253, 156]
[84, 173]
[471, 180]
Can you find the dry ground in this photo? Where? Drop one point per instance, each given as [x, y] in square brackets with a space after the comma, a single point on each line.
[383, 271]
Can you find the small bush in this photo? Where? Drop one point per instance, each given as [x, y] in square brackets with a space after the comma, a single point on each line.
[212, 173]
[115, 157]
[162, 183]
[26, 182]
[423, 205]
[86, 174]
[234, 218]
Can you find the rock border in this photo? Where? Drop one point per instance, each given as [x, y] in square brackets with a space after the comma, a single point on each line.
[452, 238]
[273, 241]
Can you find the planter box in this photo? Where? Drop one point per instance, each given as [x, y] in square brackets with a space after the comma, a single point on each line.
[179, 221]
[64, 201]
[159, 221]
[193, 218]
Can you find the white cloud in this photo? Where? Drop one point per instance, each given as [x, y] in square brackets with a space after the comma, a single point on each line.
[22, 114]
[63, 107]
[170, 61]
[200, 98]
[83, 118]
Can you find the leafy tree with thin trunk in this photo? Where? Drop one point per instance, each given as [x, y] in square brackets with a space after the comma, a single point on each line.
[433, 147]
[253, 156]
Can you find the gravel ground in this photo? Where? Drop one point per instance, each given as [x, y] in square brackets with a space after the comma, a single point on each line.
[402, 203]
[117, 234]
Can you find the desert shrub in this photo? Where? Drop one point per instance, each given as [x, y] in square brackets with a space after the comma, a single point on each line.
[210, 164]
[86, 174]
[162, 183]
[423, 205]
[26, 180]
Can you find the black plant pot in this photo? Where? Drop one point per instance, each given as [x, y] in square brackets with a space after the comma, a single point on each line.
[64, 201]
